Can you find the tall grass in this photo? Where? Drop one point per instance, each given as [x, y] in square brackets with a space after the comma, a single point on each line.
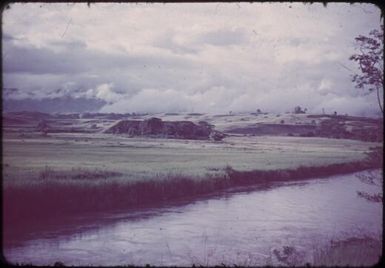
[77, 174]
[359, 252]
[351, 252]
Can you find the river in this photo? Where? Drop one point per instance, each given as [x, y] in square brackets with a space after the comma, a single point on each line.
[241, 227]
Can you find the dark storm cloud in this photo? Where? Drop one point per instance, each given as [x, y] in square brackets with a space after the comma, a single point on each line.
[7, 37]
[42, 61]
[74, 57]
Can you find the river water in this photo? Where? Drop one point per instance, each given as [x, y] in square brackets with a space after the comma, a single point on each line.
[240, 228]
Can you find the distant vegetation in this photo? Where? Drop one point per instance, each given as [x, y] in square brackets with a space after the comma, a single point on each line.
[156, 127]
[298, 110]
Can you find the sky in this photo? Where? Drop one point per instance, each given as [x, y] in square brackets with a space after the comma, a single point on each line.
[188, 57]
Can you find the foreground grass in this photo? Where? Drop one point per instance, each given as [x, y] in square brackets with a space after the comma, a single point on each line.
[357, 252]
[360, 251]
[349, 252]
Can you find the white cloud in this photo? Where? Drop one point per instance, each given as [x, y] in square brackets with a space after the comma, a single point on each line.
[325, 86]
[151, 100]
[105, 92]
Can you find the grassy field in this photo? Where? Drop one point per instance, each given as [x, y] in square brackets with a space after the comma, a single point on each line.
[146, 159]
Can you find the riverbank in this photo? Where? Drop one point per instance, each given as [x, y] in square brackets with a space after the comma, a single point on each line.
[58, 195]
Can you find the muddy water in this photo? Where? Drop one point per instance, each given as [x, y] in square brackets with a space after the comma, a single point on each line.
[240, 228]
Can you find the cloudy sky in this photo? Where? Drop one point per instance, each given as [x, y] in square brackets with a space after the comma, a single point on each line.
[192, 57]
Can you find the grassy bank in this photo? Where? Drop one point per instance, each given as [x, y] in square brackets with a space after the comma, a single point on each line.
[57, 194]
[362, 251]
[357, 252]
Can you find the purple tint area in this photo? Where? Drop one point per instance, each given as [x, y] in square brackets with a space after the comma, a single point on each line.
[227, 229]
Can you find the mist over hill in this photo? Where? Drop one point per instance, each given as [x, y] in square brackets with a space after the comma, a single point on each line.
[173, 102]
[53, 105]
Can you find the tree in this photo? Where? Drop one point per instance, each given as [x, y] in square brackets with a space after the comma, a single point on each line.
[370, 60]
[374, 178]
[298, 110]
[43, 127]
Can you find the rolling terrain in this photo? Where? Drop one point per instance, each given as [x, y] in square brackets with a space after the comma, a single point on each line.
[253, 124]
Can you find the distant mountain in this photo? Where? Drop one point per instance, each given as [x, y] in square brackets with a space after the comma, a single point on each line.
[65, 104]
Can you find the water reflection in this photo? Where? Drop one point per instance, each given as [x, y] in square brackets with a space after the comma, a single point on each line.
[239, 228]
